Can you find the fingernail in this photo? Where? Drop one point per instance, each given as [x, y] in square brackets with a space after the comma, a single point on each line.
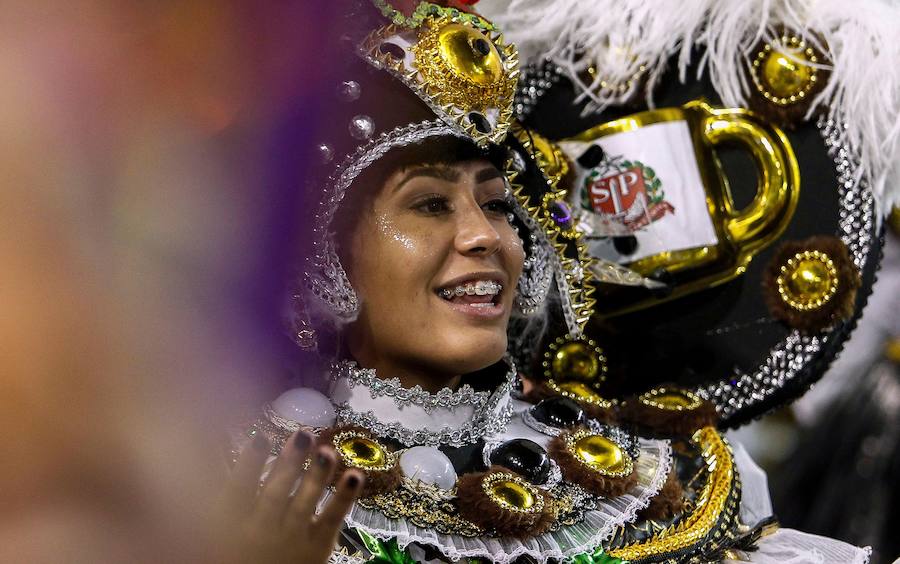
[323, 459]
[352, 480]
[301, 441]
[260, 442]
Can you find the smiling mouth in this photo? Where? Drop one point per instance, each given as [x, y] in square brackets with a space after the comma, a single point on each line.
[483, 294]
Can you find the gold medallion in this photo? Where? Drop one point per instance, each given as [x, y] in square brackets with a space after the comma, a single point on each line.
[671, 399]
[785, 72]
[599, 453]
[359, 451]
[512, 493]
[570, 360]
[808, 280]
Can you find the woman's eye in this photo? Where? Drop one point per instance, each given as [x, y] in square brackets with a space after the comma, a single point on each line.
[433, 205]
[498, 206]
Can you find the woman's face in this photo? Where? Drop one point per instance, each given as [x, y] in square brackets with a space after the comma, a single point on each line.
[436, 263]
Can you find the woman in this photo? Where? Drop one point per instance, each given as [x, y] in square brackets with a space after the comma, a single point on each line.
[429, 281]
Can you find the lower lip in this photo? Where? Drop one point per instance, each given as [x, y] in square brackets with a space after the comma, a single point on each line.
[493, 312]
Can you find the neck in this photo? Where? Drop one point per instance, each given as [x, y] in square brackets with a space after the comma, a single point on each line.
[409, 374]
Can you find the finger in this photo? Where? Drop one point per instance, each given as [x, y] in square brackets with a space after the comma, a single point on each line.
[274, 497]
[332, 516]
[313, 484]
[244, 479]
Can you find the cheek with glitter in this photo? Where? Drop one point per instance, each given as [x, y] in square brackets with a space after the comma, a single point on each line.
[387, 229]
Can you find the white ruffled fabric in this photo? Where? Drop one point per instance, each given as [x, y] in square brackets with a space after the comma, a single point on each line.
[652, 465]
[784, 546]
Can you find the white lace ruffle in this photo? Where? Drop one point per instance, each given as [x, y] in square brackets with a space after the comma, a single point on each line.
[652, 465]
[789, 546]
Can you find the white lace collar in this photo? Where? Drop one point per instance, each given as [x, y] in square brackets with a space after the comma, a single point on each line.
[414, 416]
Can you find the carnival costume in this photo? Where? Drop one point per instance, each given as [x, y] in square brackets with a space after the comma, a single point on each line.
[613, 451]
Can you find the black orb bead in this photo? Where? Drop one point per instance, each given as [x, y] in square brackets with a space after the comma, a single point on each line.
[393, 50]
[524, 457]
[559, 412]
[480, 122]
[592, 157]
[626, 244]
[481, 47]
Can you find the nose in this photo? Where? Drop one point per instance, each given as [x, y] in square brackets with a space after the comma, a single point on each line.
[476, 235]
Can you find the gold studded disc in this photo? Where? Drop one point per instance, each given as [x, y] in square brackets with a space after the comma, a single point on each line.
[469, 54]
[671, 399]
[808, 280]
[462, 66]
[578, 391]
[512, 492]
[576, 361]
[784, 72]
[359, 451]
[599, 453]
[568, 360]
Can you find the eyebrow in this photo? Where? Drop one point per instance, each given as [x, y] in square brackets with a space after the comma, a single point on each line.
[448, 173]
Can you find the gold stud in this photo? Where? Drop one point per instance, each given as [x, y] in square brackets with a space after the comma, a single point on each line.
[785, 72]
[599, 453]
[512, 492]
[808, 280]
[671, 399]
[359, 451]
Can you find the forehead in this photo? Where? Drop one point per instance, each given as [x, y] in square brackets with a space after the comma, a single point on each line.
[474, 172]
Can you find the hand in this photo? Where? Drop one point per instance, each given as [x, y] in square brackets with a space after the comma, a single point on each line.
[269, 525]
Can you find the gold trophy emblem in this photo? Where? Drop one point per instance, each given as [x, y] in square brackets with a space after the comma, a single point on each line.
[660, 187]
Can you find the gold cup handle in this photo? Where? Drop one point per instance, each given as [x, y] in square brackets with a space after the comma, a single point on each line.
[765, 218]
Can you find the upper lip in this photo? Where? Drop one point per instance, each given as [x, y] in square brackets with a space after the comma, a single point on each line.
[494, 276]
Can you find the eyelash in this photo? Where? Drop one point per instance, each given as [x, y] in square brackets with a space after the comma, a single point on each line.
[501, 206]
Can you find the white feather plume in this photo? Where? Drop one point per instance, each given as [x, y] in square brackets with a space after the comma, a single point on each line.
[861, 40]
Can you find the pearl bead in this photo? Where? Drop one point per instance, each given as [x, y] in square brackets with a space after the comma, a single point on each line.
[349, 91]
[362, 127]
[305, 406]
[428, 465]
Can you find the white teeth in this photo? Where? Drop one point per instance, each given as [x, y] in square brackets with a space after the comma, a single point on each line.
[479, 288]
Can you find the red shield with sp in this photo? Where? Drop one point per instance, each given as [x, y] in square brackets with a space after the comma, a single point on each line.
[614, 194]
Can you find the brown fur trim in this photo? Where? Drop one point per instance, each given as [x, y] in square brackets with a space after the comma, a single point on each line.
[476, 506]
[579, 473]
[667, 502]
[540, 391]
[377, 481]
[668, 422]
[841, 305]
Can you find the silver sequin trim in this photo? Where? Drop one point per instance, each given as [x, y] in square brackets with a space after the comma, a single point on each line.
[403, 397]
[487, 421]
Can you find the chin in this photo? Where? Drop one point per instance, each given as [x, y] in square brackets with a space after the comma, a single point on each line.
[476, 352]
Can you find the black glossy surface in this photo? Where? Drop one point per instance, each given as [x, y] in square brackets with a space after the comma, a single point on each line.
[558, 412]
[523, 457]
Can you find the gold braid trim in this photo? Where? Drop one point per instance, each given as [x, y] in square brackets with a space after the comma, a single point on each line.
[577, 271]
[710, 504]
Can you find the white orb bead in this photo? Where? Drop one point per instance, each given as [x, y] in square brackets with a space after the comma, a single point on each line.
[428, 465]
[305, 406]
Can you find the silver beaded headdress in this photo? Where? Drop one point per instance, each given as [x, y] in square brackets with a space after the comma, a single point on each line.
[457, 78]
